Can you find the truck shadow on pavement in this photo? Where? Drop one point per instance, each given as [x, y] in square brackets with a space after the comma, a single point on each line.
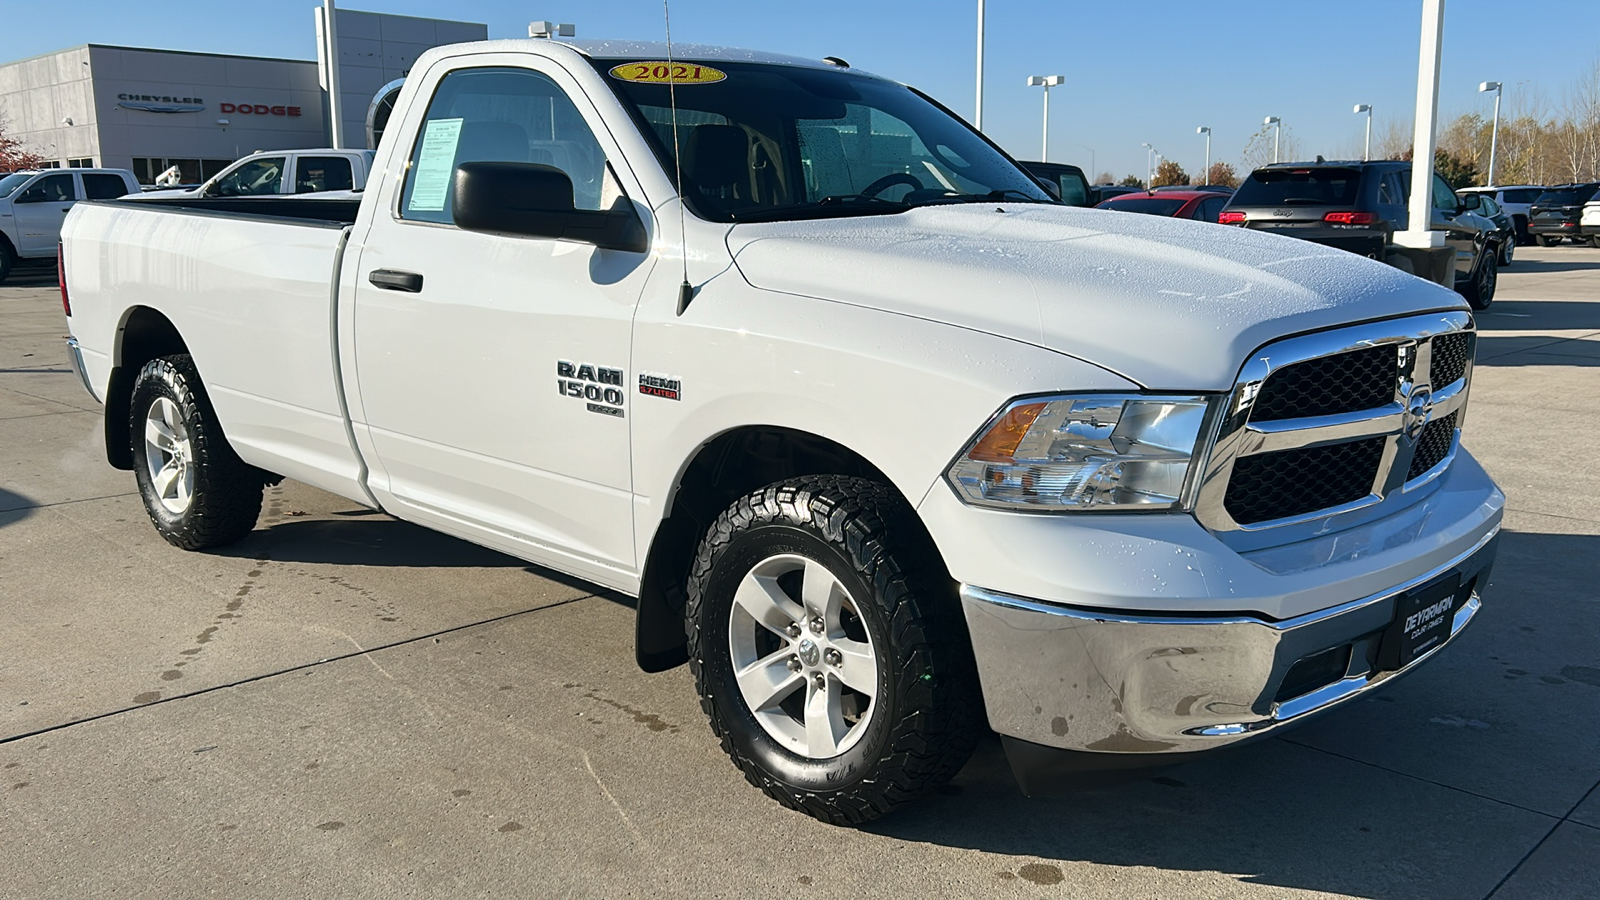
[1539, 315]
[1525, 266]
[368, 538]
[1356, 802]
[15, 507]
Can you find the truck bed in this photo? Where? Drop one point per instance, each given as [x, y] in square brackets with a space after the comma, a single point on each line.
[216, 270]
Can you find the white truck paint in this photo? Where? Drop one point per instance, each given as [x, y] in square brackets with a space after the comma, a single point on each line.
[885, 345]
[268, 173]
[35, 203]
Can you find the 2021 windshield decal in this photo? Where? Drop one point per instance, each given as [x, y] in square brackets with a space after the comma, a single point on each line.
[662, 72]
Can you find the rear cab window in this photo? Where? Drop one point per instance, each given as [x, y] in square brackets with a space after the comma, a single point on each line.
[1320, 186]
[322, 173]
[103, 186]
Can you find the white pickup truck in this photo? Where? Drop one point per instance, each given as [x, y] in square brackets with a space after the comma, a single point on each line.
[34, 205]
[888, 445]
[269, 173]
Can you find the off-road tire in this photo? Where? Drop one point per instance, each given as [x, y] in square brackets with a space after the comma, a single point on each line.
[1479, 290]
[928, 711]
[226, 498]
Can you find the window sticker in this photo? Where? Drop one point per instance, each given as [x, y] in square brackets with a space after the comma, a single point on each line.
[660, 72]
[435, 164]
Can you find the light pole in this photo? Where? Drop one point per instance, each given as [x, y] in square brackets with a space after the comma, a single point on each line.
[977, 118]
[1149, 162]
[1360, 108]
[1277, 130]
[1205, 174]
[1047, 82]
[1494, 133]
[1150, 185]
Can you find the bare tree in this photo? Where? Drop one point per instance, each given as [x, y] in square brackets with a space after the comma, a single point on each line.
[1258, 149]
[1222, 173]
[1105, 178]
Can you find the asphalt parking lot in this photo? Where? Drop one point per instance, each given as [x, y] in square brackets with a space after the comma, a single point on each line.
[344, 705]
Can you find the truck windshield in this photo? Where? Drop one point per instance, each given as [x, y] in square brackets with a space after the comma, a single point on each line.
[10, 183]
[774, 142]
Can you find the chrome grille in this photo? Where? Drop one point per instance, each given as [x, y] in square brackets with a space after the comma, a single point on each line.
[1451, 352]
[1342, 383]
[1438, 438]
[1330, 423]
[1294, 482]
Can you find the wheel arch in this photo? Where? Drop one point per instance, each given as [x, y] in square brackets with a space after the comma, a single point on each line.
[725, 468]
[142, 334]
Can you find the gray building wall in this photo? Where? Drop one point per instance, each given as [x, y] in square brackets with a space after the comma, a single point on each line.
[222, 85]
[37, 94]
[377, 48]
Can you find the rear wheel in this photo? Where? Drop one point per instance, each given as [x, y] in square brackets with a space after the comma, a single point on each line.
[1480, 290]
[8, 260]
[196, 490]
[1507, 250]
[829, 650]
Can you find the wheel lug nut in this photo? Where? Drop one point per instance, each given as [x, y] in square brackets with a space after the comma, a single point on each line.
[794, 663]
[793, 630]
[817, 625]
[834, 657]
[820, 680]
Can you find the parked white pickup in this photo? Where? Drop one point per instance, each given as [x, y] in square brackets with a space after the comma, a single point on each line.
[885, 442]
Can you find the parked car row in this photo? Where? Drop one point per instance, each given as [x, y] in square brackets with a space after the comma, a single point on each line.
[1558, 213]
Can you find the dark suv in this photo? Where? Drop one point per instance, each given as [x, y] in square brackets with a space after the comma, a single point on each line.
[1066, 183]
[1358, 206]
[1557, 211]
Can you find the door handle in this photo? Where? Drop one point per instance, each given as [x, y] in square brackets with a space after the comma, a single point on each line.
[396, 280]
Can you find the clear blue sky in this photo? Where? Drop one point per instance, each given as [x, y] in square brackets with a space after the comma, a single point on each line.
[1136, 72]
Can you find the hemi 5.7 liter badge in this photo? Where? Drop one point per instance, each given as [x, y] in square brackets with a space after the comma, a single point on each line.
[660, 386]
[599, 386]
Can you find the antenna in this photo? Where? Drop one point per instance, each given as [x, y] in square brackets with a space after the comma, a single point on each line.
[685, 290]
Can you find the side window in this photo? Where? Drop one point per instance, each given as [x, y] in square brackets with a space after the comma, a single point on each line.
[1211, 209]
[1389, 191]
[322, 173]
[256, 177]
[1074, 190]
[50, 189]
[499, 115]
[1443, 197]
[100, 186]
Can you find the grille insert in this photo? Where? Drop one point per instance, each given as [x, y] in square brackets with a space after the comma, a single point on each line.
[1295, 482]
[1341, 383]
[1450, 355]
[1433, 446]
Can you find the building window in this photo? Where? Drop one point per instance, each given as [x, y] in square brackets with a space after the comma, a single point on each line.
[82, 162]
[52, 164]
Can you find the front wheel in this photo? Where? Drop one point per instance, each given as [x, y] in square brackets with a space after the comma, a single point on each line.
[829, 650]
[8, 261]
[1507, 250]
[196, 490]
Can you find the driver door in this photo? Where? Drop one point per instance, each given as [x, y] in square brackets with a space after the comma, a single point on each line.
[39, 211]
[493, 369]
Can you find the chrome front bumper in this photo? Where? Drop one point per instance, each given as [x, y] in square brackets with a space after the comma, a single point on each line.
[1094, 681]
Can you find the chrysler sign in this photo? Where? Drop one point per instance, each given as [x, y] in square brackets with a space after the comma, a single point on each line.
[160, 104]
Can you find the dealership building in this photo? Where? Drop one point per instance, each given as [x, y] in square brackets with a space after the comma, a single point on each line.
[147, 110]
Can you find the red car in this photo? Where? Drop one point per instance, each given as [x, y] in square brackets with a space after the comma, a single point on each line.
[1201, 205]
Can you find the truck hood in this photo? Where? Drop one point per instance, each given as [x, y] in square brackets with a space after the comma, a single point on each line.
[1165, 303]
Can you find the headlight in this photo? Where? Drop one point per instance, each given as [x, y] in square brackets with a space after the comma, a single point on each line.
[1105, 452]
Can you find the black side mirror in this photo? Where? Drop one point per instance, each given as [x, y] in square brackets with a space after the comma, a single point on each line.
[1472, 201]
[533, 200]
[1050, 187]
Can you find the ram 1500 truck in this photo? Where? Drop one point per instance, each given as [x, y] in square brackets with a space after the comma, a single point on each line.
[889, 446]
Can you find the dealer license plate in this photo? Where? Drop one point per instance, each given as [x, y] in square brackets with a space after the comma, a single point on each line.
[1422, 621]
